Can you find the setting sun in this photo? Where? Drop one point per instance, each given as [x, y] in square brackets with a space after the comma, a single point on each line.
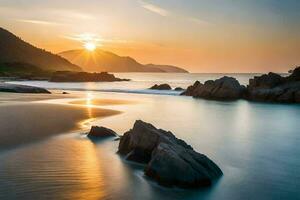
[90, 46]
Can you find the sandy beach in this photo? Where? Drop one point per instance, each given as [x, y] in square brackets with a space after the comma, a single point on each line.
[26, 118]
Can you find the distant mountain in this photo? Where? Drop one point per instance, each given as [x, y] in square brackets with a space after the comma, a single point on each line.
[14, 50]
[168, 68]
[99, 61]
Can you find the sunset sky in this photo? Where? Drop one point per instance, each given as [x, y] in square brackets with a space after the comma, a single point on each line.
[199, 35]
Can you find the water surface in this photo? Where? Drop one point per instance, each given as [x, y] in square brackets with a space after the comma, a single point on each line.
[255, 144]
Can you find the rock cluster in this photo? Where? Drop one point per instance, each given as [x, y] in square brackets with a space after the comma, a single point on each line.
[269, 87]
[169, 160]
[225, 88]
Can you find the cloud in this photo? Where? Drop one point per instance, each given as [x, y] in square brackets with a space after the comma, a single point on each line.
[155, 9]
[199, 21]
[40, 22]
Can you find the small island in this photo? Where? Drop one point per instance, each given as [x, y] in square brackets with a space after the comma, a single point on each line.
[68, 76]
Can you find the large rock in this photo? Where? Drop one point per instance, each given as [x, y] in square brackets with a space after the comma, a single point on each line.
[225, 88]
[265, 81]
[170, 161]
[7, 87]
[161, 87]
[101, 132]
[275, 88]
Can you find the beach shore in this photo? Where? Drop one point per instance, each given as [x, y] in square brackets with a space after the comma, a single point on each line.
[25, 118]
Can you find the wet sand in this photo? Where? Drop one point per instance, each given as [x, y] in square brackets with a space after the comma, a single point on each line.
[102, 102]
[23, 120]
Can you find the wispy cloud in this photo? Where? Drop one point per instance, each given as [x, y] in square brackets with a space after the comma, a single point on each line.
[91, 37]
[40, 22]
[199, 21]
[155, 9]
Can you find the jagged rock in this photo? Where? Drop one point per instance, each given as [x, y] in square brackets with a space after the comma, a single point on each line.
[7, 87]
[161, 87]
[225, 88]
[101, 132]
[191, 89]
[274, 88]
[265, 81]
[170, 161]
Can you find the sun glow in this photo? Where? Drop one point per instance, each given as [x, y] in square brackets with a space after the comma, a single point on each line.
[90, 46]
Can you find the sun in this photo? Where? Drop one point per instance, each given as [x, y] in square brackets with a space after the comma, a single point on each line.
[90, 46]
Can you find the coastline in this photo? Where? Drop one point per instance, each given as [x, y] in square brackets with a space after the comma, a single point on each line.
[28, 118]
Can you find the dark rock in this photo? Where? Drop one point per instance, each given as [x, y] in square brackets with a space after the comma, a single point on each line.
[7, 87]
[66, 76]
[191, 89]
[178, 89]
[274, 88]
[225, 88]
[101, 132]
[161, 87]
[170, 161]
[265, 81]
[65, 93]
[295, 76]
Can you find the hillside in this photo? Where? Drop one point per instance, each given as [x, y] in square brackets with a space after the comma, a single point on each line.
[100, 60]
[15, 50]
[168, 68]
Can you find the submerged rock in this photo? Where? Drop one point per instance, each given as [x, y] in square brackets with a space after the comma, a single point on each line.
[225, 88]
[178, 89]
[101, 132]
[7, 87]
[170, 161]
[161, 87]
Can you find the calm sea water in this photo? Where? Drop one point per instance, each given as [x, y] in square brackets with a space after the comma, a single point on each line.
[140, 82]
[255, 144]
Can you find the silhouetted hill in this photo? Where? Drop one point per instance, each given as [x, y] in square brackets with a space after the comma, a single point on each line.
[14, 50]
[168, 68]
[99, 60]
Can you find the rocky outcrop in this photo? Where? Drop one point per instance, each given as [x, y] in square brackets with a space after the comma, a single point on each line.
[6, 87]
[161, 87]
[269, 87]
[169, 160]
[225, 88]
[66, 76]
[101, 132]
[275, 88]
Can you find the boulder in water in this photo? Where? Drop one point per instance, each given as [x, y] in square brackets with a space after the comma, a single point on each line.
[170, 161]
[101, 132]
[161, 87]
[225, 88]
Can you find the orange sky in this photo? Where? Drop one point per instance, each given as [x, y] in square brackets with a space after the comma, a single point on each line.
[202, 36]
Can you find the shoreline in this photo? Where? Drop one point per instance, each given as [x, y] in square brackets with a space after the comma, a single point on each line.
[28, 118]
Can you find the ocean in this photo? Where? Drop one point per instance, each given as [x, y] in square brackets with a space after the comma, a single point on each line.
[255, 144]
